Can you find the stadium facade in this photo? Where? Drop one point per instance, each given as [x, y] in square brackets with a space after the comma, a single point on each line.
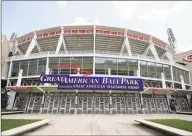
[97, 70]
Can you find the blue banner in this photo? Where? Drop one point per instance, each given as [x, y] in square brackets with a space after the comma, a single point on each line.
[93, 82]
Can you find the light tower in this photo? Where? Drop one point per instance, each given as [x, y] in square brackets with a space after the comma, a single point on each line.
[171, 38]
[12, 41]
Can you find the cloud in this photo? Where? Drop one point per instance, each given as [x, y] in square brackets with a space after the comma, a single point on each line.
[83, 21]
[179, 6]
[62, 4]
[155, 13]
[127, 10]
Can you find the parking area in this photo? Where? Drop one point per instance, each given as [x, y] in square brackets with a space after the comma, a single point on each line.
[91, 124]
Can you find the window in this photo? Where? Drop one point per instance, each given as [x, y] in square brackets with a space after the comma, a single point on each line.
[122, 67]
[100, 66]
[32, 67]
[15, 68]
[111, 64]
[174, 74]
[143, 68]
[53, 62]
[66, 70]
[167, 71]
[159, 68]
[133, 67]
[41, 66]
[24, 66]
[178, 73]
[185, 76]
[87, 64]
[151, 70]
[78, 62]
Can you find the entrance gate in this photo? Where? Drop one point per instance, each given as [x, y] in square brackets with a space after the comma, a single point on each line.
[67, 103]
[101, 103]
[51, 102]
[85, 103]
[161, 103]
[34, 104]
[182, 104]
[96, 103]
[133, 103]
[118, 104]
[21, 101]
[148, 104]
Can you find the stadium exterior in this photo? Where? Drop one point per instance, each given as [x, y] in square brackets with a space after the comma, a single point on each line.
[105, 52]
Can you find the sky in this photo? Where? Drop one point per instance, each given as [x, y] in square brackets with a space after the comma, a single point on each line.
[151, 17]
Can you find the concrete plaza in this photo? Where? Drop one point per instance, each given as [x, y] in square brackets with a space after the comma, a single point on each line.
[91, 124]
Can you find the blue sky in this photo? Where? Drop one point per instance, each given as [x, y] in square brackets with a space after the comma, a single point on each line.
[150, 17]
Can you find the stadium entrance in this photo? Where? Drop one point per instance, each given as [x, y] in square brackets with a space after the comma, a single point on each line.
[96, 95]
[97, 102]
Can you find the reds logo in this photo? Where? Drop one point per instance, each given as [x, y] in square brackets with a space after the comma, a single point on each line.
[188, 58]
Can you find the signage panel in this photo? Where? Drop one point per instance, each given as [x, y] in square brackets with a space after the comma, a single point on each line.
[188, 58]
[93, 82]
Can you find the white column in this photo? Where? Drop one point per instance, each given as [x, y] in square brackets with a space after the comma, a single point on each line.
[110, 91]
[190, 78]
[31, 45]
[47, 70]
[78, 69]
[42, 102]
[10, 69]
[168, 98]
[12, 94]
[94, 35]
[126, 44]
[109, 71]
[172, 75]
[76, 102]
[163, 80]
[142, 98]
[19, 77]
[189, 99]
[61, 42]
[142, 102]
[9, 73]
[153, 50]
[138, 70]
[11, 98]
[110, 102]
[182, 83]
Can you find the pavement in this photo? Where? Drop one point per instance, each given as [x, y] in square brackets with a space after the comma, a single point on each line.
[91, 124]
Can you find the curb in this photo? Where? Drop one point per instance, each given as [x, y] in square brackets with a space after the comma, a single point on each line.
[163, 128]
[186, 113]
[14, 112]
[26, 128]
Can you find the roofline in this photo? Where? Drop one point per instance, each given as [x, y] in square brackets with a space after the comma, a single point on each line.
[93, 25]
